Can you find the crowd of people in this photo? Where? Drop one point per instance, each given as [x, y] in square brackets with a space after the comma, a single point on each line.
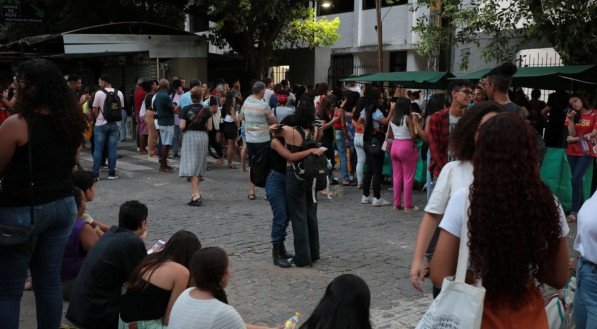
[475, 135]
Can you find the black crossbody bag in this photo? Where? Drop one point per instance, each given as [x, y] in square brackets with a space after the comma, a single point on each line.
[17, 236]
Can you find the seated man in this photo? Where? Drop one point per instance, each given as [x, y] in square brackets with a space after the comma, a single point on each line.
[95, 296]
[87, 182]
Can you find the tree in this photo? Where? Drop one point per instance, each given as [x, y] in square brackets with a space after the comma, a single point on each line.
[570, 26]
[254, 28]
[61, 16]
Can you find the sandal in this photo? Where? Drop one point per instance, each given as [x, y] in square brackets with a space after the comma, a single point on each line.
[411, 209]
[571, 218]
[251, 196]
[231, 166]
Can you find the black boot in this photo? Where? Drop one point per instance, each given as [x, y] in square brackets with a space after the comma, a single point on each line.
[278, 257]
[284, 252]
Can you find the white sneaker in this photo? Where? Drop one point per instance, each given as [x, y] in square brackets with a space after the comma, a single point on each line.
[112, 177]
[379, 202]
[365, 199]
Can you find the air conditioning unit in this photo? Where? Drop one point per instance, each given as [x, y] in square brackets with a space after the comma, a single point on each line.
[164, 67]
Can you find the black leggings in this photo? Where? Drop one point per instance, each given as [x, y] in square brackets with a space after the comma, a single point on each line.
[373, 173]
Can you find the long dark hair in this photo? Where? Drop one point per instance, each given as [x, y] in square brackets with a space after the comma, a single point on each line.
[304, 116]
[514, 223]
[179, 249]
[370, 103]
[345, 305]
[462, 138]
[45, 87]
[208, 267]
[402, 109]
[227, 106]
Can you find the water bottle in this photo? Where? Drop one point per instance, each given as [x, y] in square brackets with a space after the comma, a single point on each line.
[291, 323]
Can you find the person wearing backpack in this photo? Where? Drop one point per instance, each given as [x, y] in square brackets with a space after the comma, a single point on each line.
[107, 109]
[300, 199]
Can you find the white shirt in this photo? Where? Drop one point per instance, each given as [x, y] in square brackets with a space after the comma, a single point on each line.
[401, 131]
[99, 100]
[586, 236]
[192, 313]
[454, 176]
[454, 215]
[268, 94]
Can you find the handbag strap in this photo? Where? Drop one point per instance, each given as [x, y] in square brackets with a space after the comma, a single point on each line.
[463, 252]
[31, 184]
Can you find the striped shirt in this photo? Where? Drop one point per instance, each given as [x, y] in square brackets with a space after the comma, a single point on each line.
[192, 313]
[255, 114]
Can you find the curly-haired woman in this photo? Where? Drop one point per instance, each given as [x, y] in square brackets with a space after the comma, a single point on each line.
[49, 122]
[517, 230]
[454, 175]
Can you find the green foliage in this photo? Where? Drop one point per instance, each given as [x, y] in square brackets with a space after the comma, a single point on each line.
[253, 28]
[60, 16]
[570, 26]
[311, 32]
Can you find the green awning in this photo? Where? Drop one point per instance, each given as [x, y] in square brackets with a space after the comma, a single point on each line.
[547, 77]
[408, 79]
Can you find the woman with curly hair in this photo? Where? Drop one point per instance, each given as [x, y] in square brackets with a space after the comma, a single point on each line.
[47, 125]
[454, 175]
[517, 229]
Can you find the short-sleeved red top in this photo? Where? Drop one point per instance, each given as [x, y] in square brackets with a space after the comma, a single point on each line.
[584, 126]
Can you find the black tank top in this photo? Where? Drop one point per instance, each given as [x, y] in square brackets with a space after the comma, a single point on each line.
[53, 162]
[278, 163]
[148, 303]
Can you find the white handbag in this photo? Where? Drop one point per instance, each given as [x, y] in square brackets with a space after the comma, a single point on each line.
[459, 305]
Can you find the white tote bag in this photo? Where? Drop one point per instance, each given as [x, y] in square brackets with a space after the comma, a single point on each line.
[459, 305]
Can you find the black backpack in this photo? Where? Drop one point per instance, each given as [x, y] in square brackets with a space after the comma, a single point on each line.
[260, 166]
[112, 110]
[313, 168]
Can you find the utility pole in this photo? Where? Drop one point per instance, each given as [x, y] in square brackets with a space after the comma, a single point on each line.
[379, 36]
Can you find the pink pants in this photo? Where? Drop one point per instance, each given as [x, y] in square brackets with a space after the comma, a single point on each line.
[404, 155]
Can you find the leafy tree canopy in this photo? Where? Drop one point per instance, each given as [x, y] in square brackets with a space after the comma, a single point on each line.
[570, 26]
[60, 16]
[254, 28]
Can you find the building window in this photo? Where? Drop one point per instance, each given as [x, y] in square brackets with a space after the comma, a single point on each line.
[278, 73]
[370, 4]
[335, 7]
[397, 61]
[198, 23]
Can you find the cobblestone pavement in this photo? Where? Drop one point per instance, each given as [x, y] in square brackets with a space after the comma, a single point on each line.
[374, 243]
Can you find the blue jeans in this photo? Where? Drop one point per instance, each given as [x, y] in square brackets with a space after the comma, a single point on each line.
[53, 224]
[110, 133]
[341, 147]
[123, 124]
[176, 140]
[578, 168]
[585, 298]
[275, 190]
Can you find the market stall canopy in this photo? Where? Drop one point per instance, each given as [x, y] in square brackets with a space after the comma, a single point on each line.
[408, 79]
[547, 77]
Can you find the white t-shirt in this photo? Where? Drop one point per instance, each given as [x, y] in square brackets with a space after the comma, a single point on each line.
[454, 176]
[268, 94]
[99, 100]
[586, 236]
[192, 313]
[454, 215]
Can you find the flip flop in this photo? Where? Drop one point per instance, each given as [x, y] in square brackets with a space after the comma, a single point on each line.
[251, 196]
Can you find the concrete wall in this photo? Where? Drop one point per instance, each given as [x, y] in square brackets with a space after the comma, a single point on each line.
[189, 68]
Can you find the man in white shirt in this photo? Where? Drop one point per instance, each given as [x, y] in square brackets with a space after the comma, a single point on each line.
[106, 129]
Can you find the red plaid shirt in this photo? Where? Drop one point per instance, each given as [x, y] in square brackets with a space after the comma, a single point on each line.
[439, 137]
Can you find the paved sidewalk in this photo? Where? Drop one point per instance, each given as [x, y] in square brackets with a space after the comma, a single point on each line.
[374, 243]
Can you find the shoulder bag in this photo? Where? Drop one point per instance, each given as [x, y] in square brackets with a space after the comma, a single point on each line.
[459, 305]
[14, 236]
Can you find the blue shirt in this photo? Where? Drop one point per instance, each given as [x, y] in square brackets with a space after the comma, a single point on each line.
[163, 107]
